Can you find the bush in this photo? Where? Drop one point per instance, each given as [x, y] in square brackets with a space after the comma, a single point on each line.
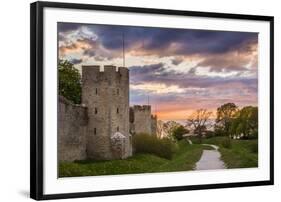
[145, 143]
[195, 140]
[179, 132]
[226, 143]
[219, 131]
[209, 134]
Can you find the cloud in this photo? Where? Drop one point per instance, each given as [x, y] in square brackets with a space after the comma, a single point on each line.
[66, 27]
[159, 74]
[179, 69]
[146, 73]
[90, 52]
[242, 59]
[192, 71]
[147, 69]
[77, 45]
[177, 61]
[164, 41]
[75, 61]
[157, 88]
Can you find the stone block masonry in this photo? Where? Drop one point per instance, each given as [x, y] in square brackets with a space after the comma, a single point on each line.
[106, 94]
[141, 120]
[100, 128]
[72, 131]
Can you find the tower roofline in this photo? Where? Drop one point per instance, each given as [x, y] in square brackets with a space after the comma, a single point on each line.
[142, 107]
[107, 68]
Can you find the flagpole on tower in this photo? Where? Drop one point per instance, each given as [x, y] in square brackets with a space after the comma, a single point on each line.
[123, 41]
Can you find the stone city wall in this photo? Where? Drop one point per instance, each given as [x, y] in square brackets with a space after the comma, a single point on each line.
[72, 125]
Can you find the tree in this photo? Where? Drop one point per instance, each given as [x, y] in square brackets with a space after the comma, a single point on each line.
[198, 121]
[170, 127]
[69, 81]
[225, 115]
[178, 132]
[165, 129]
[245, 123]
[236, 125]
[249, 121]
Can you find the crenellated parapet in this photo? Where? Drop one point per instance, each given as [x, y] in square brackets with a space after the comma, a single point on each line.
[109, 73]
[142, 120]
[142, 108]
[105, 91]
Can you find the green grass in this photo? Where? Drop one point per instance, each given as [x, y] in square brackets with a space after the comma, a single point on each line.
[239, 154]
[183, 159]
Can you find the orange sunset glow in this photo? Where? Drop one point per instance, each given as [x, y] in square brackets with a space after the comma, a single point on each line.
[176, 71]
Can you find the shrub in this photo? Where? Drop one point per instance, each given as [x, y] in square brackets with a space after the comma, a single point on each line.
[209, 134]
[226, 143]
[219, 131]
[195, 140]
[179, 132]
[145, 143]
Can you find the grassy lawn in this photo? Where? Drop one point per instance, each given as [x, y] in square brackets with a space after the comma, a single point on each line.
[239, 154]
[184, 159]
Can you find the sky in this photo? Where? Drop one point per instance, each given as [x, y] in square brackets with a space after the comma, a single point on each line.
[176, 71]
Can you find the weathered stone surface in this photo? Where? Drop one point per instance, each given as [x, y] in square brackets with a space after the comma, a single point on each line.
[141, 120]
[118, 145]
[106, 94]
[72, 125]
[100, 127]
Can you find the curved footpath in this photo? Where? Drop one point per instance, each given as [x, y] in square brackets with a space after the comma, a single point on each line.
[210, 159]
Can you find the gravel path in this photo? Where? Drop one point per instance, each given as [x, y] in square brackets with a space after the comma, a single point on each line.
[210, 159]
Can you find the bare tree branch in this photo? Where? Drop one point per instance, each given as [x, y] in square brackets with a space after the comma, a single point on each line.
[198, 120]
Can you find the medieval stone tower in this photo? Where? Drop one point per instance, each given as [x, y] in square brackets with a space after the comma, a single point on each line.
[106, 94]
[141, 120]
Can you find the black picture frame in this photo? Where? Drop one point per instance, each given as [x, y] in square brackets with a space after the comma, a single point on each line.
[36, 98]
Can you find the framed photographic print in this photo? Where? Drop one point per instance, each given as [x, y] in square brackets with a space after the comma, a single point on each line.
[135, 100]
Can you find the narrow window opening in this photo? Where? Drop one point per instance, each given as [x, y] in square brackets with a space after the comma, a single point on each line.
[117, 91]
[117, 110]
[95, 131]
[96, 110]
[96, 91]
[117, 128]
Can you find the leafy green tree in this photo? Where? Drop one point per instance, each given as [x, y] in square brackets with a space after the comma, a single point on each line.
[225, 115]
[69, 81]
[245, 123]
[236, 125]
[249, 118]
[178, 132]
